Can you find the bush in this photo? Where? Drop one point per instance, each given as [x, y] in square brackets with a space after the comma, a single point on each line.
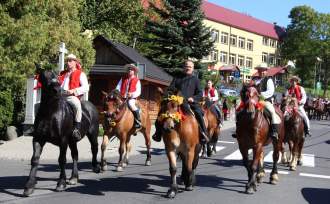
[6, 111]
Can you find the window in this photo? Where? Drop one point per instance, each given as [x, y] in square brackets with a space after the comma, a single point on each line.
[265, 41]
[264, 57]
[248, 62]
[278, 61]
[233, 40]
[271, 59]
[241, 42]
[249, 45]
[232, 59]
[223, 57]
[206, 57]
[272, 43]
[224, 38]
[214, 55]
[240, 61]
[215, 35]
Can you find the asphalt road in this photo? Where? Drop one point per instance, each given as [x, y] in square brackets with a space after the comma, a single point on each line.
[220, 179]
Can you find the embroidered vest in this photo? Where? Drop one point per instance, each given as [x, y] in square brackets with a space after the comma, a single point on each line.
[131, 87]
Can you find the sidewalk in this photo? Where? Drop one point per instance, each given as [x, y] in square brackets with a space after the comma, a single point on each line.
[21, 148]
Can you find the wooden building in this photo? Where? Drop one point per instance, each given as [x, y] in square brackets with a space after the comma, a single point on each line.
[109, 68]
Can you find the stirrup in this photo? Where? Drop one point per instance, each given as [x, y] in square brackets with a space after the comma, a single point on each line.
[156, 137]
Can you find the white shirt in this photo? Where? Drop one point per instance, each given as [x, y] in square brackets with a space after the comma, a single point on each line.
[270, 89]
[135, 94]
[303, 95]
[84, 86]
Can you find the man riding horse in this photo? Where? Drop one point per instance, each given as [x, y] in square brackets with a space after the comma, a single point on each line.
[189, 86]
[74, 84]
[129, 87]
[266, 89]
[299, 92]
[212, 94]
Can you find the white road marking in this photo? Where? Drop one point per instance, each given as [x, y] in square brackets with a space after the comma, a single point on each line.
[307, 159]
[226, 142]
[219, 148]
[280, 172]
[314, 175]
[236, 155]
[269, 157]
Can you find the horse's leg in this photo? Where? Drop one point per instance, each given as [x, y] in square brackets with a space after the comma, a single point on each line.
[94, 147]
[277, 146]
[195, 163]
[189, 165]
[290, 142]
[31, 182]
[104, 145]
[251, 186]
[146, 134]
[128, 148]
[184, 174]
[284, 159]
[74, 154]
[245, 159]
[301, 145]
[174, 186]
[121, 151]
[61, 184]
[204, 147]
[293, 164]
[261, 170]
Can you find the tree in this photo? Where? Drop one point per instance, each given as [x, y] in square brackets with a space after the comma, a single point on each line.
[31, 31]
[118, 20]
[176, 32]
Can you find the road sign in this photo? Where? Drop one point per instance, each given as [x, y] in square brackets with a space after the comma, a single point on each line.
[236, 74]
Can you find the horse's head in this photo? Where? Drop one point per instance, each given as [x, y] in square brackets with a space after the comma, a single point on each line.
[250, 97]
[289, 106]
[113, 104]
[50, 85]
[170, 111]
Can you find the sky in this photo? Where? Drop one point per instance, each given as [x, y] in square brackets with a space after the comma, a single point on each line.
[272, 10]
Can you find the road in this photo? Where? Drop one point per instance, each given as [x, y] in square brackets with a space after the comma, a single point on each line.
[220, 179]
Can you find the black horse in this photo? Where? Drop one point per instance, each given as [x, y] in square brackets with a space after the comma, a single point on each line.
[54, 124]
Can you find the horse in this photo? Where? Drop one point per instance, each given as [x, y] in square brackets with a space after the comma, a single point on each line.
[213, 128]
[54, 124]
[252, 133]
[181, 137]
[294, 130]
[119, 122]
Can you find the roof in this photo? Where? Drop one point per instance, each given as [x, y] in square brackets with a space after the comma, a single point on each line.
[274, 71]
[152, 72]
[242, 21]
[229, 68]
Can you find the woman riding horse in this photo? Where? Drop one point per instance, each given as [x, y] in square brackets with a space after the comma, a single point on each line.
[54, 123]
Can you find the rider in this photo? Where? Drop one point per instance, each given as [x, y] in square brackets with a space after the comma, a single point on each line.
[129, 87]
[267, 89]
[299, 92]
[211, 93]
[190, 88]
[74, 84]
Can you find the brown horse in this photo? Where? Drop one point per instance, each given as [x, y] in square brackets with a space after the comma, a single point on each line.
[119, 122]
[294, 130]
[181, 136]
[213, 128]
[252, 133]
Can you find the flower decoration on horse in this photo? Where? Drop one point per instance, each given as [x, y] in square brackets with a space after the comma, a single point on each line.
[174, 112]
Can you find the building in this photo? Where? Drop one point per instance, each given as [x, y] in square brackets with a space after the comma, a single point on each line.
[108, 69]
[241, 40]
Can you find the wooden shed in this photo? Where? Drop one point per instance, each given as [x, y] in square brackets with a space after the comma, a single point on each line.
[109, 68]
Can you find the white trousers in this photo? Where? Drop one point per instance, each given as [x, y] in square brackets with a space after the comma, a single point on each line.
[76, 104]
[304, 115]
[275, 118]
[132, 105]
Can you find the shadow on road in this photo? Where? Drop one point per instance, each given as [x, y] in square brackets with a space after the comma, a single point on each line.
[316, 195]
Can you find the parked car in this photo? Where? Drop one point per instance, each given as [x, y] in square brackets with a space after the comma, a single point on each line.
[228, 92]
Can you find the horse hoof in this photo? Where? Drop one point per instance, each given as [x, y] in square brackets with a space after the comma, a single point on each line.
[249, 191]
[259, 179]
[148, 163]
[171, 193]
[97, 169]
[28, 191]
[293, 168]
[189, 188]
[203, 156]
[125, 164]
[104, 168]
[60, 187]
[72, 181]
[120, 169]
[274, 179]
[300, 163]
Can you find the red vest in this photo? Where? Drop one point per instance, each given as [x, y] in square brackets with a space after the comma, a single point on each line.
[295, 91]
[74, 78]
[211, 91]
[132, 85]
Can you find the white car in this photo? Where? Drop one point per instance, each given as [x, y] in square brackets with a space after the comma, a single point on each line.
[228, 92]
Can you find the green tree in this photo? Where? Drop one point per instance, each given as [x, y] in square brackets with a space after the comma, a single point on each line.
[31, 31]
[119, 20]
[176, 32]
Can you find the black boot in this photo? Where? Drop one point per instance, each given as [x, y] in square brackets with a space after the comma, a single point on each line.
[306, 130]
[76, 134]
[158, 134]
[275, 131]
[203, 132]
[137, 119]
